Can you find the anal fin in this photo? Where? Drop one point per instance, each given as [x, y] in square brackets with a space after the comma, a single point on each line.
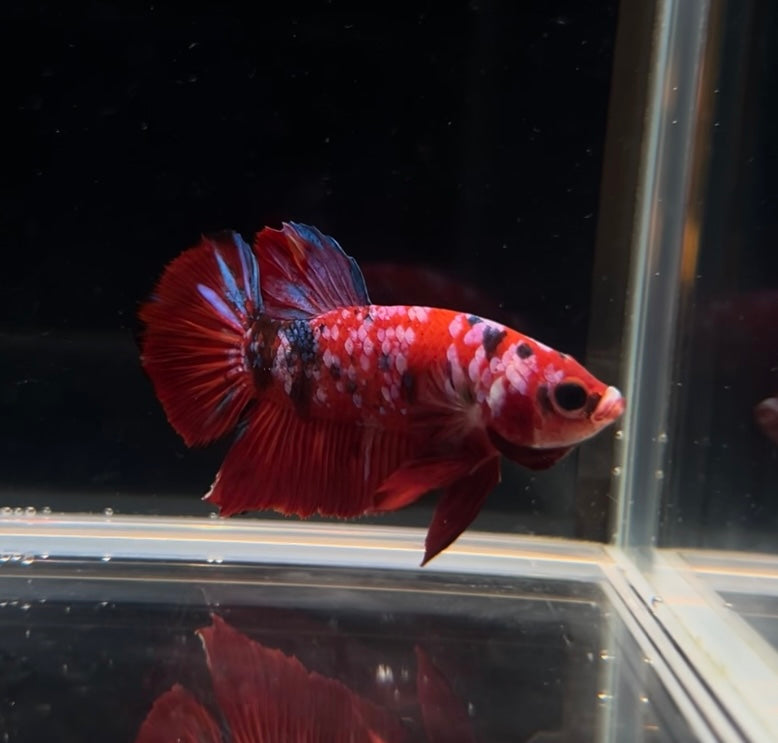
[300, 466]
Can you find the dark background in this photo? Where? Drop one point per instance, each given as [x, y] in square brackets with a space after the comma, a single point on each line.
[465, 137]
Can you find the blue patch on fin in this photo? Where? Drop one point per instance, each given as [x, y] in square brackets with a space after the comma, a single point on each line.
[218, 304]
[324, 242]
[249, 268]
[230, 286]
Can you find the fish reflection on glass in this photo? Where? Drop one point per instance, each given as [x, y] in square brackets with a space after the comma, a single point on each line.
[443, 713]
[341, 407]
[766, 417]
[265, 696]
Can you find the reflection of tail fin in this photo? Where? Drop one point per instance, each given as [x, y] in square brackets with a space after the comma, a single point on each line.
[264, 695]
[196, 336]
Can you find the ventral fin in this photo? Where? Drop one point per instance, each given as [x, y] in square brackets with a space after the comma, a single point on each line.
[459, 505]
[306, 466]
[526, 456]
[417, 477]
[306, 273]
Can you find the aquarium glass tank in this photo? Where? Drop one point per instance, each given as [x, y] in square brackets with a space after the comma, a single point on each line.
[594, 176]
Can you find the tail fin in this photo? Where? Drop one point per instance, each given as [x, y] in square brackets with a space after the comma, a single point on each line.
[197, 333]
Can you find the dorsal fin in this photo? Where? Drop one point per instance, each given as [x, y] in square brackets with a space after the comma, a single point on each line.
[305, 273]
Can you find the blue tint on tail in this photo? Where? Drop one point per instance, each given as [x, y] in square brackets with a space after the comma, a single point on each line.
[325, 244]
[243, 302]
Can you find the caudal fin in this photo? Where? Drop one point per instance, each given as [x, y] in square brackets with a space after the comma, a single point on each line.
[196, 335]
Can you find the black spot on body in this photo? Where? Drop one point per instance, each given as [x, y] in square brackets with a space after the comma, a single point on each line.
[492, 338]
[524, 350]
[300, 394]
[301, 357]
[351, 386]
[301, 340]
[262, 351]
[408, 387]
[384, 362]
[474, 319]
[335, 371]
[543, 400]
[592, 403]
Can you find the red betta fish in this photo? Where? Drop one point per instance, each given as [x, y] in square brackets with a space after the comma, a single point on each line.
[342, 407]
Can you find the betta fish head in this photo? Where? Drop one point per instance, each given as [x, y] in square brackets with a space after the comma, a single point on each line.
[545, 399]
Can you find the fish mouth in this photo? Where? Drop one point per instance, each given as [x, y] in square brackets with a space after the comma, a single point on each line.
[610, 406]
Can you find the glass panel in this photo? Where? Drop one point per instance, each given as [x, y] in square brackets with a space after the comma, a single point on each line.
[509, 660]
[698, 462]
[725, 454]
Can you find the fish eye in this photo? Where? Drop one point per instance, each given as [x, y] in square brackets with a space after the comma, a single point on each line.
[570, 397]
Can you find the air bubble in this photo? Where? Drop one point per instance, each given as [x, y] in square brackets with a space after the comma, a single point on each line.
[5, 557]
[18, 511]
[46, 511]
[662, 438]
[6, 511]
[28, 559]
[26, 606]
[213, 515]
[108, 512]
[106, 558]
[30, 511]
[619, 435]
[659, 474]
[616, 471]
[27, 633]
[605, 655]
